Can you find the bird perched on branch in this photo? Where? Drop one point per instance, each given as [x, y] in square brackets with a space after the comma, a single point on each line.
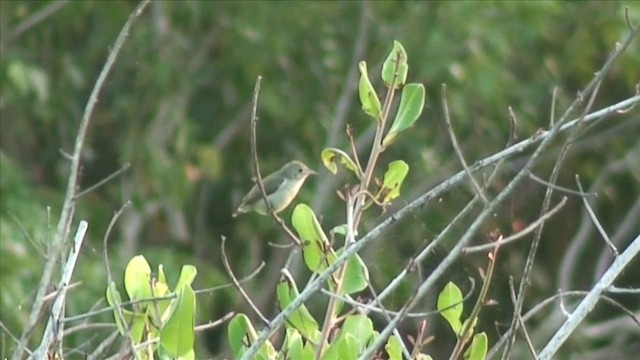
[281, 188]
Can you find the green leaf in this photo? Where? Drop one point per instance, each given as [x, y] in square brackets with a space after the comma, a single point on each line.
[301, 319]
[347, 347]
[393, 178]
[393, 348]
[177, 335]
[316, 250]
[137, 278]
[450, 306]
[356, 276]
[411, 105]
[161, 277]
[187, 275]
[293, 344]
[114, 299]
[241, 334]
[360, 327]
[472, 327]
[138, 324]
[159, 312]
[329, 156]
[478, 348]
[396, 61]
[308, 352]
[332, 352]
[368, 97]
[340, 229]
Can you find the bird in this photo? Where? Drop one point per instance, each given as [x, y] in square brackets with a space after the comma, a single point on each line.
[281, 187]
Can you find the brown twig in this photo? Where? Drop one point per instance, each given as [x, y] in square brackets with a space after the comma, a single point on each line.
[468, 328]
[520, 234]
[124, 168]
[456, 147]
[236, 283]
[256, 166]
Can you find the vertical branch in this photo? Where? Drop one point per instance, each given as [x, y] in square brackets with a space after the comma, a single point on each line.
[256, 165]
[68, 206]
[53, 325]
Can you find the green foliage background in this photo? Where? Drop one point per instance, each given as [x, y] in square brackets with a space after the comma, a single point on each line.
[176, 107]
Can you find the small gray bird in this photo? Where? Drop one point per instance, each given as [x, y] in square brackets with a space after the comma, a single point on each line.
[281, 188]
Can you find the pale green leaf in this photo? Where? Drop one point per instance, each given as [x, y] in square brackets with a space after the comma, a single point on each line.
[368, 97]
[450, 306]
[395, 67]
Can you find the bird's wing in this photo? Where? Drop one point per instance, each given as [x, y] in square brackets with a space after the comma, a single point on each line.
[271, 184]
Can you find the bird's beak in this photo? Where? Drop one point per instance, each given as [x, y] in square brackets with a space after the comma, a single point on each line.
[311, 172]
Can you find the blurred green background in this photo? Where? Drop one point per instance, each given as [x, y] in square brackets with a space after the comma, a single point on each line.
[176, 107]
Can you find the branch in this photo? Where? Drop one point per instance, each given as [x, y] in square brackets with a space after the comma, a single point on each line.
[589, 302]
[53, 325]
[256, 166]
[236, 283]
[456, 146]
[68, 206]
[520, 234]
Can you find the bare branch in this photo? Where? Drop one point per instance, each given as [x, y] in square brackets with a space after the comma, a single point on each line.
[456, 146]
[256, 166]
[520, 234]
[237, 285]
[69, 202]
[124, 168]
[595, 220]
[589, 302]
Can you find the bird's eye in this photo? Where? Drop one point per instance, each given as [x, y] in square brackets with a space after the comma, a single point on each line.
[299, 170]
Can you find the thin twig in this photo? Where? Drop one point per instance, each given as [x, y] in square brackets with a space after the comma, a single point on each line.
[520, 234]
[99, 350]
[592, 90]
[456, 146]
[561, 188]
[118, 307]
[256, 166]
[377, 309]
[512, 293]
[91, 188]
[595, 220]
[32, 21]
[468, 328]
[236, 283]
[214, 324]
